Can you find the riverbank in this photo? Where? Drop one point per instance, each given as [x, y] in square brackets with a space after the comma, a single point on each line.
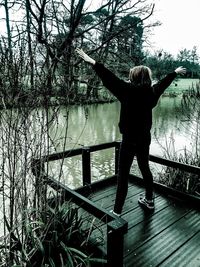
[49, 101]
[180, 87]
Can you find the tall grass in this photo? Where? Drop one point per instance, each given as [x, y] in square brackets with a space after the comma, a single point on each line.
[52, 237]
[175, 178]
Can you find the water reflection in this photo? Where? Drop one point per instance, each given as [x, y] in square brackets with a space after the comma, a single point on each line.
[171, 130]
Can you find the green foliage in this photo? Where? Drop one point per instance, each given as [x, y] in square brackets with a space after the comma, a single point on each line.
[102, 12]
[181, 180]
[87, 20]
[54, 237]
[162, 62]
[130, 40]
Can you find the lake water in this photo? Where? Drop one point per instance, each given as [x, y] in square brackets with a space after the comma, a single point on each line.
[98, 123]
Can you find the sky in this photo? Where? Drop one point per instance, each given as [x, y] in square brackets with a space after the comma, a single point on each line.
[180, 25]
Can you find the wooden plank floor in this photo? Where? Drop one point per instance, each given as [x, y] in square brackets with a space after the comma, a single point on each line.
[170, 236]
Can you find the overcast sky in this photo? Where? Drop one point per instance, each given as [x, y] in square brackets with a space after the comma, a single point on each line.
[180, 25]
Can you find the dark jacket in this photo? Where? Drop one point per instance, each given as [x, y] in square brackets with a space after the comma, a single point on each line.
[136, 102]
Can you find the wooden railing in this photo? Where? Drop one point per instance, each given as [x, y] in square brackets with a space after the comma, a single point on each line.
[116, 228]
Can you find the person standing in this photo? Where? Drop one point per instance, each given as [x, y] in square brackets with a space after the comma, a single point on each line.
[137, 97]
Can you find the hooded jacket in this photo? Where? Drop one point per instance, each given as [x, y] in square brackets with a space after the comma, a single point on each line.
[136, 102]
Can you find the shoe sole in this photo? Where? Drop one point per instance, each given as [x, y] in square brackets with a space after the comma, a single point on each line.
[145, 206]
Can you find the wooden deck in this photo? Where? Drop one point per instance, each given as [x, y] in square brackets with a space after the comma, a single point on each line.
[170, 236]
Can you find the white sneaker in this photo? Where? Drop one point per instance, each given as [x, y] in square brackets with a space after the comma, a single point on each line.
[148, 204]
[114, 213]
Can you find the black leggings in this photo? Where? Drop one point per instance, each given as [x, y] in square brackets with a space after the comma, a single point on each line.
[128, 150]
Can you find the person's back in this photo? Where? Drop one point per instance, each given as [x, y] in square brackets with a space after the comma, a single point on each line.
[136, 110]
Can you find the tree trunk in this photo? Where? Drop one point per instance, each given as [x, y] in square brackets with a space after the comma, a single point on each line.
[28, 21]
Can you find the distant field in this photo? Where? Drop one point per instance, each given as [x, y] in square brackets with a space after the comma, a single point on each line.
[181, 85]
[178, 86]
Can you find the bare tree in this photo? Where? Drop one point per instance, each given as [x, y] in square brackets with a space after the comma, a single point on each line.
[59, 26]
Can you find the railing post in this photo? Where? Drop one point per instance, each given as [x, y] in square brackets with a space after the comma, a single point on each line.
[117, 149]
[115, 242]
[86, 166]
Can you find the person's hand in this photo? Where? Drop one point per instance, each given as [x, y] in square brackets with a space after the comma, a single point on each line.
[180, 70]
[84, 56]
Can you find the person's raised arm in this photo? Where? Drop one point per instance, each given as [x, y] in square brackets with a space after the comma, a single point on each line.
[161, 85]
[109, 79]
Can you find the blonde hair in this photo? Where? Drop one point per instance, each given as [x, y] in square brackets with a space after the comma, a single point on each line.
[140, 75]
